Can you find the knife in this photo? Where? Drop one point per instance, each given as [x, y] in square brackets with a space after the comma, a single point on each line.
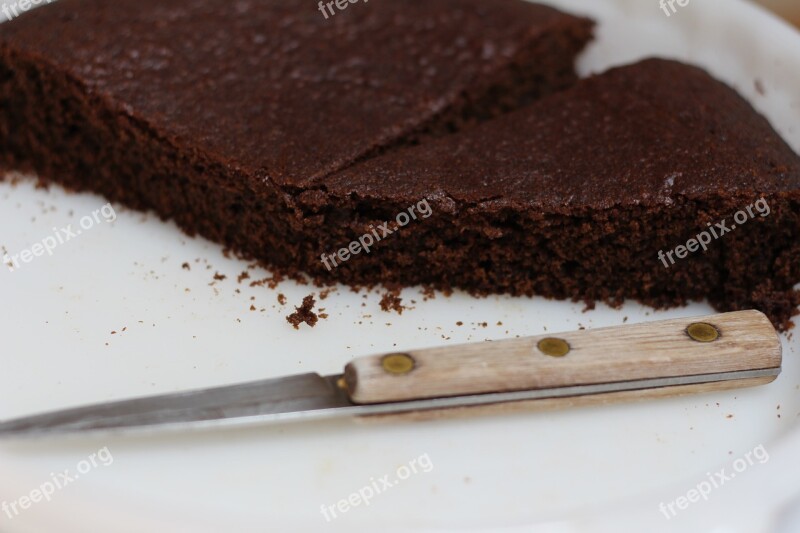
[648, 360]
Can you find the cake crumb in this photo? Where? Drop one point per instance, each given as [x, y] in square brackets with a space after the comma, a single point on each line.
[391, 301]
[252, 307]
[270, 282]
[186, 266]
[219, 277]
[282, 299]
[304, 313]
[243, 276]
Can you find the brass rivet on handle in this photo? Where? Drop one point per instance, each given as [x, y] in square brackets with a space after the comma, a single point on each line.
[398, 363]
[554, 347]
[702, 332]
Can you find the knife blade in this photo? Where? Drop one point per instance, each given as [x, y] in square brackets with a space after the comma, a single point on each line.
[655, 359]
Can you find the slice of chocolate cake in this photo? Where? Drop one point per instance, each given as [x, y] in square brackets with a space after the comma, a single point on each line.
[216, 113]
[652, 181]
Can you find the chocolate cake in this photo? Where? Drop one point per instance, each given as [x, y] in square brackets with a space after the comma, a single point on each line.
[292, 138]
[652, 181]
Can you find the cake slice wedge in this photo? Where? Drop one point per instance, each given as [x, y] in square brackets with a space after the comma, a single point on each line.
[219, 114]
[653, 182]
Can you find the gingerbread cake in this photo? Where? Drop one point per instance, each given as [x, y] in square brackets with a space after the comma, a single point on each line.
[443, 143]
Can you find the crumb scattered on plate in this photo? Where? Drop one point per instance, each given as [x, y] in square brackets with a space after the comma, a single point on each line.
[304, 314]
[391, 301]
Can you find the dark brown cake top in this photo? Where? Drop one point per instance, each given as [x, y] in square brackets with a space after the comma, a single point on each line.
[640, 134]
[274, 86]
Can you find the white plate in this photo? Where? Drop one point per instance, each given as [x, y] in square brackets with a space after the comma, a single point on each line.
[582, 470]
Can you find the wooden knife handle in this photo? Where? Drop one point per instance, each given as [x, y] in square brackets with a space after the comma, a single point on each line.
[730, 342]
